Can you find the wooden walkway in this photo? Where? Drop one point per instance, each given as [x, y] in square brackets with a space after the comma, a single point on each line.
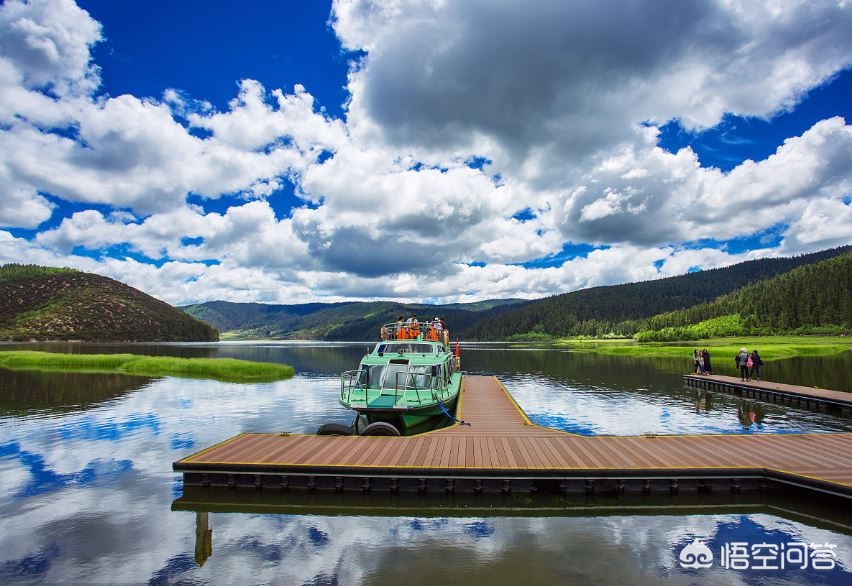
[501, 451]
[835, 402]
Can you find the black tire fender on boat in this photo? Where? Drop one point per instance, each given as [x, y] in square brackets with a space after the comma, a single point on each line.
[356, 424]
[380, 428]
[335, 429]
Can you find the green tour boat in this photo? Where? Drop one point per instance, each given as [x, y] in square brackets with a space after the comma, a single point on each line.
[408, 384]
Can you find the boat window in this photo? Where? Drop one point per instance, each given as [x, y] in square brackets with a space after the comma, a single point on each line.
[391, 379]
[371, 376]
[420, 376]
[440, 375]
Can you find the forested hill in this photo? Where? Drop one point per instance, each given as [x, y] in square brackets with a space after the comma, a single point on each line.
[41, 303]
[622, 309]
[811, 299]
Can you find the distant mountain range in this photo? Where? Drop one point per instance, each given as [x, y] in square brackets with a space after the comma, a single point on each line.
[622, 310]
[41, 303]
[332, 321]
[803, 294]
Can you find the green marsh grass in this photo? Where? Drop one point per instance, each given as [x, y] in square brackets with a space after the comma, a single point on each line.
[221, 369]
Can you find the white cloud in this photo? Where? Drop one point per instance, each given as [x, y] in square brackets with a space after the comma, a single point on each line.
[645, 195]
[823, 224]
[47, 43]
[248, 235]
[20, 205]
[252, 123]
[562, 99]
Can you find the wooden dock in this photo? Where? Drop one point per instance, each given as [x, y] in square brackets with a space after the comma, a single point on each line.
[501, 451]
[827, 401]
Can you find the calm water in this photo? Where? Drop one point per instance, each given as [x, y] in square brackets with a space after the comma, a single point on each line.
[87, 493]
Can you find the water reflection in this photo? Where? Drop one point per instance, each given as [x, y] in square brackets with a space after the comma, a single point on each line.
[750, 413]
[703, 401]
[203, 538]
[507, 540]
[86, 486]
[33, 391]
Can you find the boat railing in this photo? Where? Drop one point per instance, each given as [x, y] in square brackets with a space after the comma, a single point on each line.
[414, 330]
[352, 386]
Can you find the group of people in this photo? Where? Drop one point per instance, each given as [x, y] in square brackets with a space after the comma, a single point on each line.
[410, 329]
[749, 364]
[701, 358]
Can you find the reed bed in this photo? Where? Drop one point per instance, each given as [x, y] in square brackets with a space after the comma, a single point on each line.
[221, 369]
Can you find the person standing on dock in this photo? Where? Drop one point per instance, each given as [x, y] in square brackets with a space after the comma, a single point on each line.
[706, 355]
[742, 360]
[756, 363]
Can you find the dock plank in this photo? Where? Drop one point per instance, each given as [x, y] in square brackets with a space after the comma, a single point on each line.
[478, 461]
[396, 457]
[415, 450]
[538, 451]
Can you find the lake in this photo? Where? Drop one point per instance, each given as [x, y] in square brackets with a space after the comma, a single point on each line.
[88, 493]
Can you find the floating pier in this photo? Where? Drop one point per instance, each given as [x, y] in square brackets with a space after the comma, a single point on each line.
[826, 401]
[501, 451]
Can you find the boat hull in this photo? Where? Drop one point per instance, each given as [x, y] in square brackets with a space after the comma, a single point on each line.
[409, 421]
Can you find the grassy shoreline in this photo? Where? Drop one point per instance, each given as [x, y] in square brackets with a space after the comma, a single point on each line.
[770, 347]
[220, 369]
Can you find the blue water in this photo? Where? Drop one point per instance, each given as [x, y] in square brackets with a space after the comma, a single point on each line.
[86, 487]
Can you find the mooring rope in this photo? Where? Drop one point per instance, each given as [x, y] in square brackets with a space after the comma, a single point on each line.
[448, 414]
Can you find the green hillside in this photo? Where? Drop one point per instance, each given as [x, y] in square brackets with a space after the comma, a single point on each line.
[622, 310]
[42, 303]
[810, 299]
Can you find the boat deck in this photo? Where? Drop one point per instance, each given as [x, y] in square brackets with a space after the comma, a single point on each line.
[502, 451]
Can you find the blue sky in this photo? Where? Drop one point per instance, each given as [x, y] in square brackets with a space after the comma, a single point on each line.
[301, 151]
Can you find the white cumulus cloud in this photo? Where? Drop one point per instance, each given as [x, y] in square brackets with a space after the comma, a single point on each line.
[480, 138]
